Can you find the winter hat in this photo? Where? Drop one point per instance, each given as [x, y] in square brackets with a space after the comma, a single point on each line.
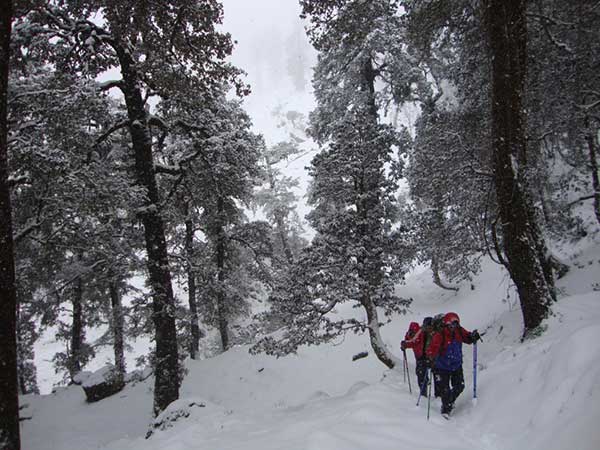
[451, 317]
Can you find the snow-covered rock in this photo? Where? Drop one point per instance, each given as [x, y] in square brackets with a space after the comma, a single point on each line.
[179, 409]
[80, 378]
[101, 384]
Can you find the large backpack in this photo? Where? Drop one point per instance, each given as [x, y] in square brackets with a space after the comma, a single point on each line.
[437, 324]
[413, 328]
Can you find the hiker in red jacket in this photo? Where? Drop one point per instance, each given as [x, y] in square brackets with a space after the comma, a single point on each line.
[417, 340]
[444, 355]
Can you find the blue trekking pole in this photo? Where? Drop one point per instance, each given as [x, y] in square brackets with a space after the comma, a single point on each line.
[475, 373]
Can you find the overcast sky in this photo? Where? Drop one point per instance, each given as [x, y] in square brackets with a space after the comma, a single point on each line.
[273, 49]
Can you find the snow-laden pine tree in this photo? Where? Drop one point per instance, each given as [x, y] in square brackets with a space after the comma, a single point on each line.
[160, 50]
[449, 171]
[470, 66]
[211, 168]
[523, 243]
[356, 255]
[69, 188]
[278, 201]
[563, 107]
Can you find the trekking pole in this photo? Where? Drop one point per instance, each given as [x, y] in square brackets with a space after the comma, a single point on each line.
[424, 385]
[407, 372]
[429, 375]
[475, 373]
[404, 365]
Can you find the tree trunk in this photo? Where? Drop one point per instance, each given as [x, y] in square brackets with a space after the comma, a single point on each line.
[77, 331]
[283, 237]
[507, 37]
[435, 270]
[9, 399]
[166, 385]
[367, 205]
[191, 276]
[280, 219]
[118, 325]
[221, 300]
[377, 344]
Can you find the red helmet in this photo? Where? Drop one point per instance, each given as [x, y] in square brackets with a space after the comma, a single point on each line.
[451, 317]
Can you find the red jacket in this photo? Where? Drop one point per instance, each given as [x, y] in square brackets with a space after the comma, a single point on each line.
[415, 339]
[446, 347]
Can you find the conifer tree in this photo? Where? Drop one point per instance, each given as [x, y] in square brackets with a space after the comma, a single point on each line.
[477, 68]
[278, 201]
[355, 256]
[160, 49]
[522, 238]
[211, 167]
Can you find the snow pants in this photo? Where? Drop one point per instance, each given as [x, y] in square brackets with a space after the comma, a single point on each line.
[422, 375]
[449, 384]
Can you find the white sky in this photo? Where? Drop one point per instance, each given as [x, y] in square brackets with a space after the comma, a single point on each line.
[271, 46]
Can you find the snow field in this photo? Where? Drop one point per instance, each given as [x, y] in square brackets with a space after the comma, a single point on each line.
[539, 395]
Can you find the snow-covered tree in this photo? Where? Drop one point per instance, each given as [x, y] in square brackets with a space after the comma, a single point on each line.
[278, 201]
[451, 36]
[160, 49]
[563, 109]
[523, 243]
[211, 166]
[356, 255]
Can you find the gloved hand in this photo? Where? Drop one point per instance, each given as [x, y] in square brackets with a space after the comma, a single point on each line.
[475, 336]
[403, 345]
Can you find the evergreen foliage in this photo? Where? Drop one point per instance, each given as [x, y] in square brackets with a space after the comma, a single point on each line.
[356, 255]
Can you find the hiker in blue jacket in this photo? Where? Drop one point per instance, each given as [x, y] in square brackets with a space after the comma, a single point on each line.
[444, 354]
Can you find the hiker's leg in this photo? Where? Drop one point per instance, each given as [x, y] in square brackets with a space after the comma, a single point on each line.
[457, 380]
[437, 391]
[442, 378]
[421, 374]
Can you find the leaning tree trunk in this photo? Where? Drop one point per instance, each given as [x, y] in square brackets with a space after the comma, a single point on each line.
[507, 38]
[77, 331]
[367, 204]
[191, 276]
[118, 325]
[377, 344]
[166, 384]
[9, 399]
[435, 271]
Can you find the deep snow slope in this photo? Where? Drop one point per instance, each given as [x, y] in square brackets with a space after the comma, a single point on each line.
[541, 394]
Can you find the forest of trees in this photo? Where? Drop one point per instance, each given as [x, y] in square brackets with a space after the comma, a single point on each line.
[151, 172]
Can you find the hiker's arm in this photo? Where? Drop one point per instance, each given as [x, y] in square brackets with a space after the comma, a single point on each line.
[468, 336]
[413, 341]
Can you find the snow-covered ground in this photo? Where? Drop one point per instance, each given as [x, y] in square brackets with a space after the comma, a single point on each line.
[541, 394]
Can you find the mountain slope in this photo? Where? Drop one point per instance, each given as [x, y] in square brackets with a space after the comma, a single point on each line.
[541, 394]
